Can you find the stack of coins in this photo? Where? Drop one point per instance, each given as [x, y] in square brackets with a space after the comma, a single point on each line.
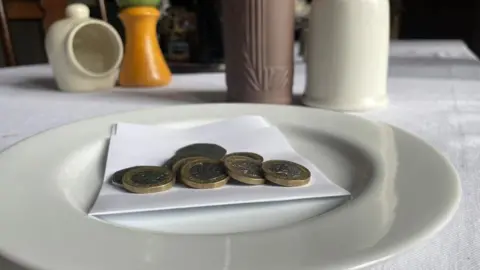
[198, 166]
[204, 173]
[144, 179]
[206, 166]
[245, 168]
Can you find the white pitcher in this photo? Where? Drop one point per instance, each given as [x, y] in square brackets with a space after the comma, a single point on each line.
[347, 54]
[84, 53]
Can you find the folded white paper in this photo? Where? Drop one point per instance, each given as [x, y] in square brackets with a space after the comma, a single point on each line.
[134, 145]
[238, 124]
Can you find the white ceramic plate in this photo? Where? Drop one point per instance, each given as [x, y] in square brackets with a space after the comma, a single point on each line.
[403, 190]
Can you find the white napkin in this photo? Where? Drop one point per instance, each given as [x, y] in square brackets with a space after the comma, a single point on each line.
[133, 145]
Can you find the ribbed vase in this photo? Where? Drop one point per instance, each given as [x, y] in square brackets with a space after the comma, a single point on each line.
[258, 45]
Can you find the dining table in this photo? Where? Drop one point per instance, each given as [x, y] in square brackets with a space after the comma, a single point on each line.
[434, 92]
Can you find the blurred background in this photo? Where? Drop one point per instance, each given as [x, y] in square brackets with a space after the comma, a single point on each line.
[190, 31]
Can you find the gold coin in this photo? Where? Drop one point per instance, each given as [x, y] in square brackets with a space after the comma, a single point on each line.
[245, 170]
[251, 155]
[204, 174]
[148, 179]
[177, 166]
[286, 173]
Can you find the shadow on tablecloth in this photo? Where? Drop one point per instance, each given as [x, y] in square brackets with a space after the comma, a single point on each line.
[38, 83]
[8, 265]
[202, 96]
[162, 94]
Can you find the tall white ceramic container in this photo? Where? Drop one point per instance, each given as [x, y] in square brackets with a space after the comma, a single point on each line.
[84, 53]
[347, 54]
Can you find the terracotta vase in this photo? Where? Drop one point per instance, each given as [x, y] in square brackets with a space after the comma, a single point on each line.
[258, 42]
[143, 63]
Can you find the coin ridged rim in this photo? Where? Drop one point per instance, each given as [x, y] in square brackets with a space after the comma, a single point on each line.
[130, 186]
[288, 182]
[212, 185]
[240, 176]
[216, 182]
[246, 180]
[250, 155]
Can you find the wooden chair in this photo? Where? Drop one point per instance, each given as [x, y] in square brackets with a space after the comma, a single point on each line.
[48, 11]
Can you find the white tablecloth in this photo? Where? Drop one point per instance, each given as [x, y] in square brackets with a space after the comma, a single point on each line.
[435, 95]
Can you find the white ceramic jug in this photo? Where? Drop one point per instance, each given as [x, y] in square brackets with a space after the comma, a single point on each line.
[347, 54]
[85, 53]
